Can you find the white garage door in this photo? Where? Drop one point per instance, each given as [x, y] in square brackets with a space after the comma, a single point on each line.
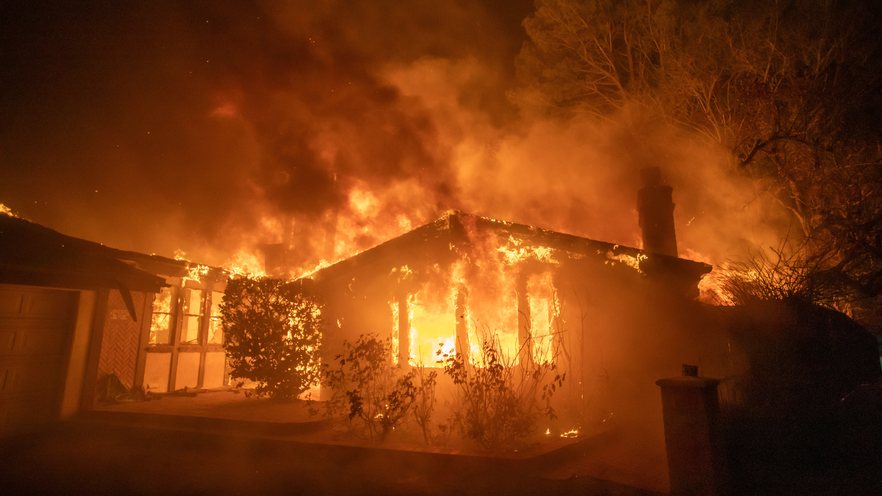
[36, 326]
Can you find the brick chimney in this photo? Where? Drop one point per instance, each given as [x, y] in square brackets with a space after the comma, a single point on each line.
[656, 213]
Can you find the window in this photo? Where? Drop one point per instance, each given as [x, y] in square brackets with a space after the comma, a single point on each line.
[215, 329]
[185, 340]
[192, 312]
[161, 324]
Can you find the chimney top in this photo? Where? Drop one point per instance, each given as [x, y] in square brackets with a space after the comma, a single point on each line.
[655, 209]
[651, 176]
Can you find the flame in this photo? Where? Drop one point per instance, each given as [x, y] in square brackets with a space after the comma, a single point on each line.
[432, 317]
[195, 273]
[363, 202]
[474, 300]
[312, 270]
[395, 342]
[4, 210]
[544, 312]
[245, 263]
[632, 261]
[710, 287]
[516, 251]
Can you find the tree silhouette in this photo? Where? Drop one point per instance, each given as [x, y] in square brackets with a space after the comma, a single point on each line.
[792, 88]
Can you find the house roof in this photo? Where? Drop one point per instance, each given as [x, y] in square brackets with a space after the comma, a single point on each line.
[34, 255]
[431, 241]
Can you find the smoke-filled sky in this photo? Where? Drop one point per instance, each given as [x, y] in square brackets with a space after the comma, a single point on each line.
[212, 127]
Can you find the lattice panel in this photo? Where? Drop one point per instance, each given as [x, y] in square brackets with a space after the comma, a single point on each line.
[119, 347]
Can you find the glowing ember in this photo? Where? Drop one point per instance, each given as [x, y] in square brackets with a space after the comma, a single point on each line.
[570, 434]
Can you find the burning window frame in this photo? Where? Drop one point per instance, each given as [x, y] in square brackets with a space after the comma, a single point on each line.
[196, 360]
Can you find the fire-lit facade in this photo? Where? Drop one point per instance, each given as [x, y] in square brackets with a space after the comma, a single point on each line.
[70, 314]
[80, 321]
[463, 280]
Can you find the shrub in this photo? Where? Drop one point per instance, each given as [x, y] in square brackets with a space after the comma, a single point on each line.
[787, 273]
[273, 334]
[366, 387]
[424, 403]
[498, 405]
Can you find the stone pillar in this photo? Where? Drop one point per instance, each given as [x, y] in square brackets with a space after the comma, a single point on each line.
[693, 437]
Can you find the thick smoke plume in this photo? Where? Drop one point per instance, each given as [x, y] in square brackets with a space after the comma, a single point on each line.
[330, 126]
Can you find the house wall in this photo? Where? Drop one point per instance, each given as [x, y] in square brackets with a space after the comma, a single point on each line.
[79, 351]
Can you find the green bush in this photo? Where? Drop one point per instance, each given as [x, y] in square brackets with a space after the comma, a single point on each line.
[273, 333]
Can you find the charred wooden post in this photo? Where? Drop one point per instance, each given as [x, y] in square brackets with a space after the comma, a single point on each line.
[403, 331]
[655, 208]
[462, 323]
[693, 438]
[525, 338]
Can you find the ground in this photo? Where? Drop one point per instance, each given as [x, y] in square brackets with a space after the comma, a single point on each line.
[203, 446]
[226, 444]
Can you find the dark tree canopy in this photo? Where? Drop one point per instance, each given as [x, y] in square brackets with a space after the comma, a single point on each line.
[792, 88]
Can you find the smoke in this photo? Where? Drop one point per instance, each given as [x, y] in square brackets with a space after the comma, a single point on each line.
[581, 175]
[329, 125]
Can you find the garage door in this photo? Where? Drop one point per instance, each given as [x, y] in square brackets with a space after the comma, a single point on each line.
[35, 333]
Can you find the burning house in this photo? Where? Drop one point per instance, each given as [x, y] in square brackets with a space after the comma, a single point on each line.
[537, 295]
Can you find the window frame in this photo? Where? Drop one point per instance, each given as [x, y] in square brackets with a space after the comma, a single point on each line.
[180, 288]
